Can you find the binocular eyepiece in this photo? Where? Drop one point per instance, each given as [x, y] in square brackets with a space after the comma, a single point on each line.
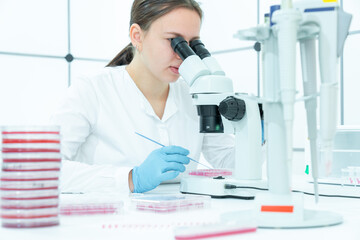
[182, 48]
[210, 119]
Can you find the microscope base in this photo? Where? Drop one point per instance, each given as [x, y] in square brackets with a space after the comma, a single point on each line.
[287, 211]
[216, 187]
[312, 219]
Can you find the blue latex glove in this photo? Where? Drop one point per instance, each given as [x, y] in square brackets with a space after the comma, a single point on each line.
[162, 164]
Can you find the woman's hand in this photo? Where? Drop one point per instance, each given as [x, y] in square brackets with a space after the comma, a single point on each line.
[162, 164]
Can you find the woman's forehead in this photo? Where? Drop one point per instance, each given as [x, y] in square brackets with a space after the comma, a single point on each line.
[183, 22]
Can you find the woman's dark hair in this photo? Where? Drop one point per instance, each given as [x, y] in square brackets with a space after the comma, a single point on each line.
[144, 13]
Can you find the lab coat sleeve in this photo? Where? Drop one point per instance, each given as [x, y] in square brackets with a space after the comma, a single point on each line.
[77, 117]
[219, 150]
[82, 177]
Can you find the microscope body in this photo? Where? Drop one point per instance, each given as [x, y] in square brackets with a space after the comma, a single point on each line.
[222, 111]
[246, 127]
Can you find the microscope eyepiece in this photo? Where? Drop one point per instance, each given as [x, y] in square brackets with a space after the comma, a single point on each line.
[181, 47]
[199, 48]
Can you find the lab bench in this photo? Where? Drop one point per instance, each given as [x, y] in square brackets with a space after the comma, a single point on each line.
[131, 224]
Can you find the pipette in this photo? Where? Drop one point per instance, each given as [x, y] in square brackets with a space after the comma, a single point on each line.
[164, 146]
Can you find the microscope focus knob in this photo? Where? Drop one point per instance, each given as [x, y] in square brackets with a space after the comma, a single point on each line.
[232, 108]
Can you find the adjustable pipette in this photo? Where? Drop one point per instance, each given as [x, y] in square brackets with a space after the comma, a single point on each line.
[308, 61]
[164, 146]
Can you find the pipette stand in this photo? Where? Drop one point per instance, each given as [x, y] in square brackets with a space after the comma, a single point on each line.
[279, 207]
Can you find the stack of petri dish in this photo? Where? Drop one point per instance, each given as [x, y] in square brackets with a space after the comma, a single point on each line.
[31, 161]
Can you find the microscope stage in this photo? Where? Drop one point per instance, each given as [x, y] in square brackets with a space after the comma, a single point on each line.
[220, 187]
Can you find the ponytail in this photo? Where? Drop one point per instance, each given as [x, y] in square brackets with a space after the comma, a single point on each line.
[124, 57]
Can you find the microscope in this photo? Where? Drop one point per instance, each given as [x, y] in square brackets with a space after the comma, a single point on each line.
[222, 111]
[307, 22]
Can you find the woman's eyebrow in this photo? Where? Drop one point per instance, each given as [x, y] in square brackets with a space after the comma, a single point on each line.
[179, 35]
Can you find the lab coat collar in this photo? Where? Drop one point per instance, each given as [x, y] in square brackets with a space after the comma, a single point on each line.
[170, 107]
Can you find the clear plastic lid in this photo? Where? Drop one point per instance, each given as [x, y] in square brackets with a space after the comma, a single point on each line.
[210, 172]
[169, 203]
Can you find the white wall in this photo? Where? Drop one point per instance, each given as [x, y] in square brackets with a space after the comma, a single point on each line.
[36, 36]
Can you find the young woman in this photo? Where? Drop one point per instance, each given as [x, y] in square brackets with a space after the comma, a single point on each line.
[139, 91]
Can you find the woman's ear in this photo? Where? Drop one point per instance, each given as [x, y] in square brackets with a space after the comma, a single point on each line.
[136, 36]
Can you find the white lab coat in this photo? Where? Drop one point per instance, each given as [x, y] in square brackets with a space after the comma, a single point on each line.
[99, 118]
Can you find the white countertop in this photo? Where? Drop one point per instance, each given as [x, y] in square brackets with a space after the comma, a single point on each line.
[135, 225]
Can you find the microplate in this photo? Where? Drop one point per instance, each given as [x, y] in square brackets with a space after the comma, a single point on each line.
[169, 203]
[91, 208]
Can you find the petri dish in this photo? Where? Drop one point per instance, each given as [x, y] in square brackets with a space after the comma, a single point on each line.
[30, 166]
[29, 176]
[29, 204]
[31, 185]
[16, 157]
[30, 223]
[11, 213]
[210, 172]
[29, 195]
[45, 129]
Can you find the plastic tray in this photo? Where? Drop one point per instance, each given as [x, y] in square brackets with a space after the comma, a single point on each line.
[169, 203]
